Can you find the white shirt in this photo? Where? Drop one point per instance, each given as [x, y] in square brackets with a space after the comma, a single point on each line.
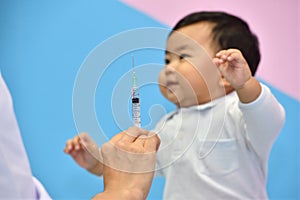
[16, 180]
[219, 150]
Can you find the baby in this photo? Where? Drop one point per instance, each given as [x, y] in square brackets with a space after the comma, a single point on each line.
[216, 144]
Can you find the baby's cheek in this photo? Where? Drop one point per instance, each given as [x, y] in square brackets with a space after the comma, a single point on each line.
[162, 82]
[162, 78]
[163, 90]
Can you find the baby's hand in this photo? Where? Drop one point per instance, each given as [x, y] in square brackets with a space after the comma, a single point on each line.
[85, 153]
[233, 67]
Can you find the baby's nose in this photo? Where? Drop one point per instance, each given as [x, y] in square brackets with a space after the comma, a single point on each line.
[170, 69]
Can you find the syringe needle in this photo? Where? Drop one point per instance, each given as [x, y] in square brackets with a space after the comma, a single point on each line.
[132, 57]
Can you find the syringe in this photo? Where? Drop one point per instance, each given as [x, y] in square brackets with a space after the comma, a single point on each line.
[136, 115]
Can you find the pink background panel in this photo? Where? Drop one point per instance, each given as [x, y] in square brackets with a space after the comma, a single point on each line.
[276, 22]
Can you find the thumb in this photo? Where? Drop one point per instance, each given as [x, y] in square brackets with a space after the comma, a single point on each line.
[217, 61]
[152, 143]
[85, 138]
[88, 142]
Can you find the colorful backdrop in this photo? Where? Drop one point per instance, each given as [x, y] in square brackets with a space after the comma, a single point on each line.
[44, 43]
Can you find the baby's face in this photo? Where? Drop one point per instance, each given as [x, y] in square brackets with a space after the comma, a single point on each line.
[189, 77]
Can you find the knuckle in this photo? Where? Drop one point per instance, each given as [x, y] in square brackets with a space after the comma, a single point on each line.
[121, 144]
[136, 149]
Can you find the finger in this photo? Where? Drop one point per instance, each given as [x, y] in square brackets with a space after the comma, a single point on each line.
[139, 142]
[84, 138]
[130, 143]
[136, 147]
[221, 54]
[152, 144]
[86, 141]
[136, 131]
[77, 143]
[125, 142]
[120, 140]
[226, 54]
[69, 146]
[74, 154]
[217, 61]
[221, 58]
[234, 56]
[132, 133]
[231, 51]
[127, 137]
[116, 138]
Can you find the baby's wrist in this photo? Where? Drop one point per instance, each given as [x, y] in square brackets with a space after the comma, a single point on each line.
[96, 168]
[250, 91]
[246, 84]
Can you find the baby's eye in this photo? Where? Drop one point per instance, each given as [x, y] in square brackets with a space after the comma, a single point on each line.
[167, 61]
[183, 56]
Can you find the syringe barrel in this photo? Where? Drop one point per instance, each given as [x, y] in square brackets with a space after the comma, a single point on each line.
[136, 116]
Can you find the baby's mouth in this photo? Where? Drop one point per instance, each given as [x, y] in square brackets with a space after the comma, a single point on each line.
[171, 84]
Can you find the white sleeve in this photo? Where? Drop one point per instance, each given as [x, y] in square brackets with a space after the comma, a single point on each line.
[15, 175]
[264, 119]
[41, 193]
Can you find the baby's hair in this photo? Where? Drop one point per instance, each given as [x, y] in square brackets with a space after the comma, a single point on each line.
[229, 32]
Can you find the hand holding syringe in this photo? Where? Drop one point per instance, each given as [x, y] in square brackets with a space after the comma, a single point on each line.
[136, 116]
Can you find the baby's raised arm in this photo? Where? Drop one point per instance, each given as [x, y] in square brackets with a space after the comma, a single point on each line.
[258, 104]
